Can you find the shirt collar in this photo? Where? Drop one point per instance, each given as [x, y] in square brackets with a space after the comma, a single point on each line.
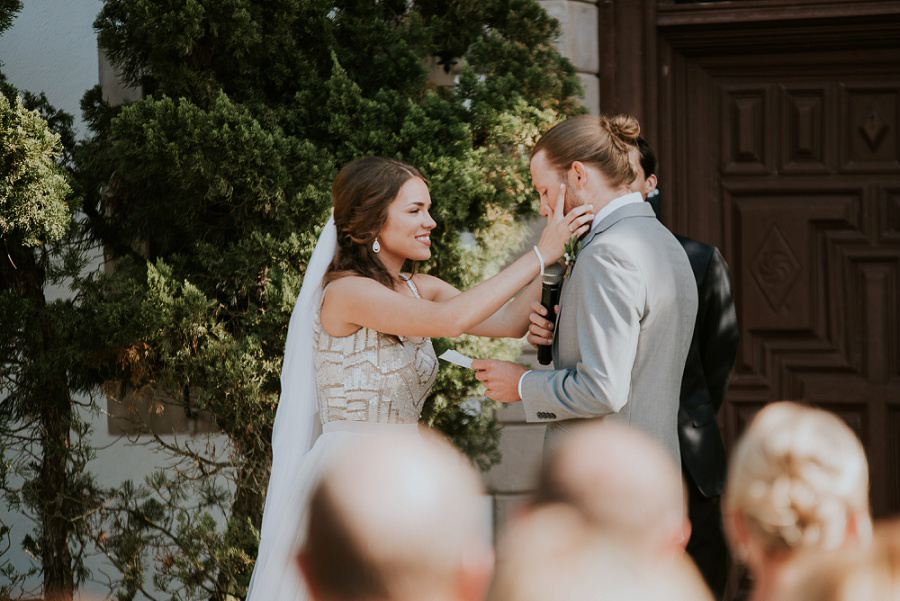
[616, 203]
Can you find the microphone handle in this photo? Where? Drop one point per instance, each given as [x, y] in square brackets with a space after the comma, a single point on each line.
[549, 298]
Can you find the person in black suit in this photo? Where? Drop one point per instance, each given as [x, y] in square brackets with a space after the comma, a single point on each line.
[703, 386]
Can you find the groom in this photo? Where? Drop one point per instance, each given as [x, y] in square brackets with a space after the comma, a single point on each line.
[627, 310]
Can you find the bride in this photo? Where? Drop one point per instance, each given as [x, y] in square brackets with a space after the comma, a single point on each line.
[358, 350]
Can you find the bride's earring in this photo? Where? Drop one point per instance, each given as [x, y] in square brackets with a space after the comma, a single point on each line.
[375, 246]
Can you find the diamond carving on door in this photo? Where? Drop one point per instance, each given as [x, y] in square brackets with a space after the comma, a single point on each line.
[775, 268]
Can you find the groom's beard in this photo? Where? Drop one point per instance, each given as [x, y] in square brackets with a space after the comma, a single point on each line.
[572, 200]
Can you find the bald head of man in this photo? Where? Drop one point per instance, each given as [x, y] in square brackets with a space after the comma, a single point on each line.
[622, 481]
[554, 552]
[398, 519]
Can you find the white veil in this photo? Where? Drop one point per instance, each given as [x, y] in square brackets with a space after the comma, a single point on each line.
[296, 426]
[296, 419]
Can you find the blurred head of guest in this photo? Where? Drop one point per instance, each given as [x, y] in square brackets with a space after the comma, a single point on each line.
[553, 552]
[622, 481]
[398, 520]
[798, 480]
[871, 573]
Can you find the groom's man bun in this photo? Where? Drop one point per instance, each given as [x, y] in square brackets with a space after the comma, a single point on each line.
[624, 127]
[601, 142]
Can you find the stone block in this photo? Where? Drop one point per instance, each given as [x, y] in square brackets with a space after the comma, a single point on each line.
[591, 98]
[510, 413]
[443, 75]
[486, 503]
[505, 508]
[114, 91]
[579, 23]
[146, 410]
[522, 449]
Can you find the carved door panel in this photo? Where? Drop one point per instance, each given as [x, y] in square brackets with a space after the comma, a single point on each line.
[790, 163]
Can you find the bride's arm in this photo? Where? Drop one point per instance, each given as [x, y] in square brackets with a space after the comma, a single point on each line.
[354, 302]
[510, 321]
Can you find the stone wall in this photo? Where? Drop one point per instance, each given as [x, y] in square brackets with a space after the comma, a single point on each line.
[579, 43]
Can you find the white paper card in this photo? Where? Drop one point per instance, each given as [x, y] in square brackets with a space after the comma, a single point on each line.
[457, 358]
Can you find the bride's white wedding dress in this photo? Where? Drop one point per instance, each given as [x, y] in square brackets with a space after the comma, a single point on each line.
[365, 383]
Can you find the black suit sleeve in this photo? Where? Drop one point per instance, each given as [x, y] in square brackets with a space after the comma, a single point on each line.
[707, 369]
[717, 327]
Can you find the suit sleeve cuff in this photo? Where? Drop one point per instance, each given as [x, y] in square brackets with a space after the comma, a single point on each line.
[537, 409]
[519, 386]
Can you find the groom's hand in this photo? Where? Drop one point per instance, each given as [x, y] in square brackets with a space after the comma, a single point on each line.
[540, 331]
[500, 378]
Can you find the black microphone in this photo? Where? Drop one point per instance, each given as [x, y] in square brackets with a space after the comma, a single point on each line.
[552, 285]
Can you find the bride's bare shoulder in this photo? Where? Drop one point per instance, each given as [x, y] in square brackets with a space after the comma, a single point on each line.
[346, 299]
[431, 287]
[349, 285]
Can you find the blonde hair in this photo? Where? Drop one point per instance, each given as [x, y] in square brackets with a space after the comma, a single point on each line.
[798, 478]
[848, 575]
[602, 142]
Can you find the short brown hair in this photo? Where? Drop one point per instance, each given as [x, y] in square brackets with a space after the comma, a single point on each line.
[338, 564]
[602, 142]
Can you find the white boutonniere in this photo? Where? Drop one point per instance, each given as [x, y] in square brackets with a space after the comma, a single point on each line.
[570, 253]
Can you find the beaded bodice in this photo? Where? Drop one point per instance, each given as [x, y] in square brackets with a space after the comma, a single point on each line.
[368, 376]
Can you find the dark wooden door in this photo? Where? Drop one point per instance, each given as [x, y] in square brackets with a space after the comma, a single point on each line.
[780, 143]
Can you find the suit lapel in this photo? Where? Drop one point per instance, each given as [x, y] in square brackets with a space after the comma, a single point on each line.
[637, 209]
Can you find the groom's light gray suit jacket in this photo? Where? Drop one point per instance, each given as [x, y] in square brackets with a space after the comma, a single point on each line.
[626, 318]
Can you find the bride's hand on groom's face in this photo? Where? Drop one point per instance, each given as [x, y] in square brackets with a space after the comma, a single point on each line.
[540, 331]
[561, 226]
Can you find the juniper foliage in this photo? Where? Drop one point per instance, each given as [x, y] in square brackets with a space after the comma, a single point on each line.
[209, 194]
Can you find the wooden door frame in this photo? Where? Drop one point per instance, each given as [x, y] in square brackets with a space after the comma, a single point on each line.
[642, 42]
[628, 54]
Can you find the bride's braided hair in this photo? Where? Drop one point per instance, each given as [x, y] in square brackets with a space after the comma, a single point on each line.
[602, 142]
[361, 193]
